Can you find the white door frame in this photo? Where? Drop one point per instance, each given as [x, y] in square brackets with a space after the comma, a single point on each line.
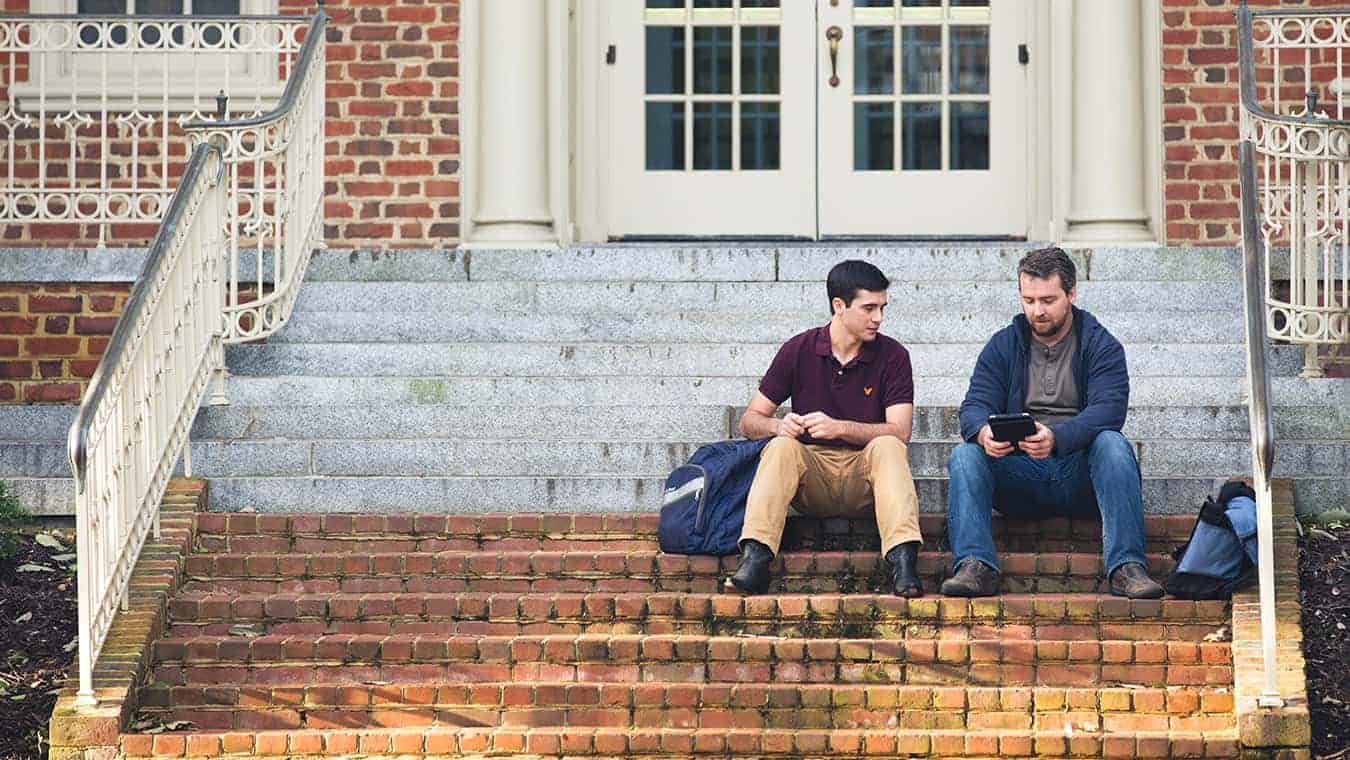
[577, 123]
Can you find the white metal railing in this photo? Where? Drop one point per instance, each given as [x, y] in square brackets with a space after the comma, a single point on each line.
[1289, 61]
[92, 108]
[1294, 161]
[256, 182]
[133, 423]
[276, 167]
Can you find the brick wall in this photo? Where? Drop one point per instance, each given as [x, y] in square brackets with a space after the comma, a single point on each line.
[1200, 116]
[393, 131]
[51, 338]
[393, 162]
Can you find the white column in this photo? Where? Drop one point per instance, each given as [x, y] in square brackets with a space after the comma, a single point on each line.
[1107, 188]
[512, 175]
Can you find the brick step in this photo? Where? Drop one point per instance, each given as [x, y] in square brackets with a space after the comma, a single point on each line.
[581, 742]
[246, 533]
[347, 659]
[821, 706]
[582, 571]
[1013, 616]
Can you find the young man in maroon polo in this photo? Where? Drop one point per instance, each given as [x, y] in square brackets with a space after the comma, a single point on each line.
[843, 449]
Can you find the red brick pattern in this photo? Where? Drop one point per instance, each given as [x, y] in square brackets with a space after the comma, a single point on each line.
[52, 336]
[289, 672]
[1200, 116]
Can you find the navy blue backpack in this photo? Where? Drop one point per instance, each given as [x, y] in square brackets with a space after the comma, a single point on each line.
[1220, 556]
[703, 507]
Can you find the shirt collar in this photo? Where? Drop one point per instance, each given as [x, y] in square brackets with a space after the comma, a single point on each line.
[866, 352]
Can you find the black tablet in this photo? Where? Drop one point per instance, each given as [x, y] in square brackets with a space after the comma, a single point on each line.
[1011, 428]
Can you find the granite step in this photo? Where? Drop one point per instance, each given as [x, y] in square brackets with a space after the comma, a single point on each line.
[679, 359]
[710, 327]
[687, 423]
[733, 297]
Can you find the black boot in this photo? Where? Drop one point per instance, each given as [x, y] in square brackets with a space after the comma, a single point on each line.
[1131, 580]
[973, 578]
[903, 561]
[752, 575]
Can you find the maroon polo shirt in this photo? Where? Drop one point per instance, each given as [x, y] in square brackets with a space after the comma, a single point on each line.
[806, 371]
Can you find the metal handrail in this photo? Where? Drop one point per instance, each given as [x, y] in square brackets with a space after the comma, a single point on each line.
[1258, 415]
[292, 91]
[133, 423]
[123, 334]
[169, 342]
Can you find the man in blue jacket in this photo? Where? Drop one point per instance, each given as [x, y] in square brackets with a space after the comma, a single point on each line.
[1058, 363]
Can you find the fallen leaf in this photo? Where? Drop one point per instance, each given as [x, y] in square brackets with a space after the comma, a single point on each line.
[64, 557]
[244, 629]
[72, 645]
[24, 618]
[49, 541]
[29, 567]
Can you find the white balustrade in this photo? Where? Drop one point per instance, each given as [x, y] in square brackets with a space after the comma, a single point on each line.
[237, 227]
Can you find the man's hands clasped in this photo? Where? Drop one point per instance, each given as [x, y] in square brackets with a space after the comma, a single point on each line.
[818, 425]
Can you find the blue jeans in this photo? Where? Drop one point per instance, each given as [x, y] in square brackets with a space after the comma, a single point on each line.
[1104, 480]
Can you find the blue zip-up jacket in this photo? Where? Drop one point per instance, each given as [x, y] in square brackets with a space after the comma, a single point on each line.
[999, 383]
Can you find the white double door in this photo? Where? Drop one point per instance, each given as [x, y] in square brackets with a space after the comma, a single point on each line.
[817, 118]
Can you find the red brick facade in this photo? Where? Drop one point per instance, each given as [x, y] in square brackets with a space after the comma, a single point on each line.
[51, 338]
[1200, 116]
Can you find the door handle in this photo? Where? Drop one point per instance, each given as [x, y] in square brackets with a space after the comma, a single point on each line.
[834, 34]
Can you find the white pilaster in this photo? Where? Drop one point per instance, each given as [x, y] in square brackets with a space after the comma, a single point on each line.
[1107, 201]
[511, 206]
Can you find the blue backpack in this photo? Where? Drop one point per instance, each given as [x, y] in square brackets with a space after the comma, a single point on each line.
[1220, 556]
[703, 507]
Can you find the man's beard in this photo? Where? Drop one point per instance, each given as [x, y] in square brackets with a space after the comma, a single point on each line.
[1050, 329]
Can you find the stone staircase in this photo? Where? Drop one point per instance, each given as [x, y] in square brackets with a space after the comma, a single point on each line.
[574, 380]
[433, 521]
[570, 635]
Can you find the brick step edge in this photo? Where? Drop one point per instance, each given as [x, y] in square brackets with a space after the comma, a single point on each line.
[1174, 701]
[683, 742]
[601, 606]
[793, 719]
[685, 649]
[634, 565]
[617, 525]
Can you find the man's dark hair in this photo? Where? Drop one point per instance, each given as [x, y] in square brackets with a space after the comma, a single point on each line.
[1044, 262]
[848, 277]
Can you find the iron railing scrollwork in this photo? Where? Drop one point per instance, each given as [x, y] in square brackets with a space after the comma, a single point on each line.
[1289, 62]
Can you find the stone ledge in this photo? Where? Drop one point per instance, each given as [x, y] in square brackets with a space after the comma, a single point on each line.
[92, 733]
[1273, 732]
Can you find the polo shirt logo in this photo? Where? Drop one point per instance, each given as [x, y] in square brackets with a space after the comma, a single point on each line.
[867, 391]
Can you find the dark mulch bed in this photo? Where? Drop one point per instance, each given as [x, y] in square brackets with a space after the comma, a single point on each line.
[37, 631]
[1324, 576]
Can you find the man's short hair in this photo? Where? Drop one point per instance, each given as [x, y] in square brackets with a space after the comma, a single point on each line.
[848, 277]
[1044, 262]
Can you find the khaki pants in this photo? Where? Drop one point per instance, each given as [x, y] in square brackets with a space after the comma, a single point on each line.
[830, 481]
